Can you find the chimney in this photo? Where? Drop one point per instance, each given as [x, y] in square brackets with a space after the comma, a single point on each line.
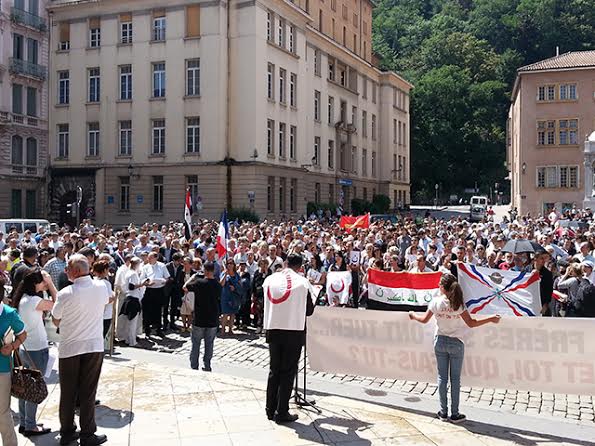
[557, 50]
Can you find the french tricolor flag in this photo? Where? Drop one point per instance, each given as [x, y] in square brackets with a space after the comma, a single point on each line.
[222, 236]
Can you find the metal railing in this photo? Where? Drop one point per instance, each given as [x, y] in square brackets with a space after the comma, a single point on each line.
[22, 169]
[27, 68]
[28, 19]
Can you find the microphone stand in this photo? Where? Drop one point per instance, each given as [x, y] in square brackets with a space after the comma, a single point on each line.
[301, 400]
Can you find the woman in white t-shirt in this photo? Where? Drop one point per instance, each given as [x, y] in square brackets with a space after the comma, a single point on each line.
[101, 272]
[31, 306]
[452, 320]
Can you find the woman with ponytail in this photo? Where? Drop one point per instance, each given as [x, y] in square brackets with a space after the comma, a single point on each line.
[452, 318]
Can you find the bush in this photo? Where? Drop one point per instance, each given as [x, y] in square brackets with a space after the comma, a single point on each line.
[359, 206]
[380, 204]
[242, 215]
[313, 207]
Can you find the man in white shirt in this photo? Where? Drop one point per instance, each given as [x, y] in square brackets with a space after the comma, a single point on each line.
[154, 297]
[79, 314]
[420, 265]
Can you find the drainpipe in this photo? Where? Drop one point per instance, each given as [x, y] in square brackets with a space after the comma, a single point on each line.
[228, 161]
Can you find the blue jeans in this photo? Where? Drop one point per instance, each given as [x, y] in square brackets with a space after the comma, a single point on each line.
[27, 410]
[449, 357]
[198, 334]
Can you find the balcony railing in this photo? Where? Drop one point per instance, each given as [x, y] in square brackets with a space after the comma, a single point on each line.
[24, 170]
[26, 68]
[26, 18]
[7, 117]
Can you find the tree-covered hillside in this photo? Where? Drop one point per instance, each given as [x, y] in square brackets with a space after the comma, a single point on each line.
[462, 58]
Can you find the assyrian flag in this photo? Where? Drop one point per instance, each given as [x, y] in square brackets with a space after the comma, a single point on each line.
[222, 236]
[362, 221]
[338, 287]
[412, 289]
[188, 216]
[493, 291]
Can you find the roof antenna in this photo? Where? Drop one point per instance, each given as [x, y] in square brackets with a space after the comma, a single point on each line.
[557, 50]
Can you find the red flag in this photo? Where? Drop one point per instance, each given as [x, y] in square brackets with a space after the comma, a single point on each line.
[361, 221]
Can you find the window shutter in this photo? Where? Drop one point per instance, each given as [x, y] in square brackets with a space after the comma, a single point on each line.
[94, 23]
[126, 17]
[64, 32]
[193, 21]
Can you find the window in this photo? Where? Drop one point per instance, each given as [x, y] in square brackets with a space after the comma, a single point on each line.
[64, 36]
[364, 87]
[16, 203]
[331, 154]
[193, 77]
[354, 159]
[354, 116]
[271, 81]
[320, 20]
[399, 168]
[364, 123]
[551, 92]
[17, 99]
[30, 203]
[159, 27]
[567, 92]
[331, 193]
[192, 186]
[159, 80]
[317, 63]
[404, 135]
[126, 82]
[94, 84]
[125, 146]
[546, 131]
[281, 140]
[573, 176]
[291, 47]
[342, 158]
[293, 90]
[374, 92]
[63, 140]
[158, 137]
[31, 101]
[292, 142]
[18, 46]
[93, 139]
[316, 105]
[270, 137]
[541, 93]
[17, 154]
[124, 193]
[158, 193]
[331, 69]
[394, 170]
[193, 21]
[317, 193]
[373, 127]
[281, 33]
[193, 135]
[63, 87]
[331, 110]
[316, 157]
[271, 194]
[94, 33]
[364, 163]
[547, 177]
[343, 111]
[282, 84]
[32, 50]
[374, 164]
[568, 131]
[292, 195]
[395, 132]
[126, 29]
[334, 5]
[282, 187]
[270, 24]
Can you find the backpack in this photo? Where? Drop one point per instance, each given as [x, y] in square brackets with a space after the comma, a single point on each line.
[584, 304]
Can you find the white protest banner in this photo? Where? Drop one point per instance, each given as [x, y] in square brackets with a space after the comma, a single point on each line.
[338, 287]
[493, 291]
[553, 355]
[403, 288]
[354, 257]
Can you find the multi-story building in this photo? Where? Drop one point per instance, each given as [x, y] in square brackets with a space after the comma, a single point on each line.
[23, 108]
[552, 112]
[266, 105]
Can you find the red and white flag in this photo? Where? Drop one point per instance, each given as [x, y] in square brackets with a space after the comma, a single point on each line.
[188, 216]
[222, 236]
[338, 287]
[349, 223]
[403, 288]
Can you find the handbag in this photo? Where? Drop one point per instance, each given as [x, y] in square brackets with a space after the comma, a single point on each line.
[27, 383]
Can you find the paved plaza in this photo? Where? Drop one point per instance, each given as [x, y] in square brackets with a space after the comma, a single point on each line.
[247, 349]
[147, 404]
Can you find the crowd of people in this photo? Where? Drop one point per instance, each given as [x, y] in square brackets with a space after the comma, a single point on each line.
[157, 281]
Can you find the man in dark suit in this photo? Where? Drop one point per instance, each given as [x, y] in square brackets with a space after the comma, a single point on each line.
[173, 291]
[167, 251]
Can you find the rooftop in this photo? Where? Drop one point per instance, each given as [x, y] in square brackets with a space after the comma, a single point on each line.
[572, 59]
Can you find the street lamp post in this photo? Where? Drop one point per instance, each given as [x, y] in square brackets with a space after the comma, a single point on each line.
[436, 199]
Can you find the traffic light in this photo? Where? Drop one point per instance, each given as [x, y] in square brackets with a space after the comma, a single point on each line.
[71, 209]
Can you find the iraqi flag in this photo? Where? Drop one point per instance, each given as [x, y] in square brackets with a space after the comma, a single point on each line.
[492, 291]
[222, 236]
[403, 291]
[188, 216]
[338, 288]
[348, 222]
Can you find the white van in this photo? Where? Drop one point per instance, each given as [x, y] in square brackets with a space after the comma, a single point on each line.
[478, 207]
[22, 224]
